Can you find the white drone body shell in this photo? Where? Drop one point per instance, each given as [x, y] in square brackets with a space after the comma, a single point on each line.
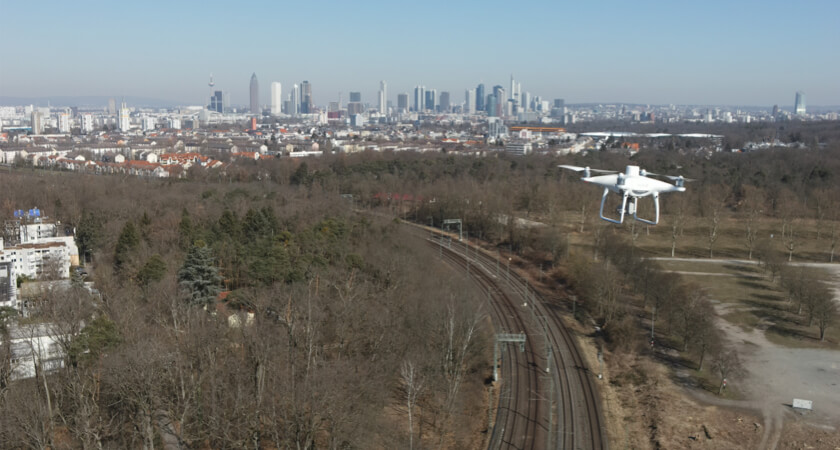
[632, 185]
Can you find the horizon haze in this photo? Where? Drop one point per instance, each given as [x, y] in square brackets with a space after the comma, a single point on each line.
[710, 53]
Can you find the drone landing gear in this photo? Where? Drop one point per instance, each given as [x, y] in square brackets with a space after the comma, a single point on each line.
[629, 206]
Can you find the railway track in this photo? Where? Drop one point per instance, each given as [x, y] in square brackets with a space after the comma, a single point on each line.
[547, 395]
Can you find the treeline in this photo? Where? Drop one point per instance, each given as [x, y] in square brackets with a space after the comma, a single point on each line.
[620, 289]
[802, 179]
[246, 315]
[811, 134]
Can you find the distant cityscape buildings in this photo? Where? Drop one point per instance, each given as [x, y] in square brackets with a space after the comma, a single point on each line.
[306, 106]
[799, 104]
[276, 98]
[419, 98]
[469, 101]
[383, 98]
[124, 120]
[37, 122]
[255, 94]
[444, 102]
[217, 102]
[509, 105]
[431, 95]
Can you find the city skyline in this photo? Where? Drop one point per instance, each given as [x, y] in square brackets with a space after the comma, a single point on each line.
[656, 53]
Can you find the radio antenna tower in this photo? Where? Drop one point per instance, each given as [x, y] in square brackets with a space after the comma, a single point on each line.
[211, 84]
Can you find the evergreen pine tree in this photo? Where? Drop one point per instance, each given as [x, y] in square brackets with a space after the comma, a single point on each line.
[127, 242]
[199, 278]
[152, 271]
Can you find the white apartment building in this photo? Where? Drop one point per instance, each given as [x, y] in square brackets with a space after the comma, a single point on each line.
[37, 247]
[125, 120]
[87, 123]
[149, 123]
[35, 345]
[63, 122]
[518, 147]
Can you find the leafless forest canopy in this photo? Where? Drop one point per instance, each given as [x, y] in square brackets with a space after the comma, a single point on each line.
[356, 325]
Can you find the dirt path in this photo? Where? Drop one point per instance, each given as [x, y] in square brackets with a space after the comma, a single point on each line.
[776, 374]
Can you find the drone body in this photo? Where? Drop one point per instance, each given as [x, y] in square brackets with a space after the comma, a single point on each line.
[632, 185]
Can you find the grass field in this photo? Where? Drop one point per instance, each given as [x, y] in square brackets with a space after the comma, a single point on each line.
[753, 301]
[693, 241]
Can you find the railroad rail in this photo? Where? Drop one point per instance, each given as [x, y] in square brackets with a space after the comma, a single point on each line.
[547, 395]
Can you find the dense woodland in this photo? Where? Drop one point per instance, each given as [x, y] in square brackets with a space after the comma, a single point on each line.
[358, 337]
[352, 322]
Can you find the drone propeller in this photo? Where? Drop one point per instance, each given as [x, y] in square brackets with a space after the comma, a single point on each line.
[670, 177]
[679, 180]
[581, 169]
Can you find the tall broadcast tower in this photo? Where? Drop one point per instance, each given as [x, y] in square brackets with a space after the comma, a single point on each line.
[211, 84]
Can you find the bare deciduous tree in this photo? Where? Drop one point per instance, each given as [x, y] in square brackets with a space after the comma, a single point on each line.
[833, 240]
[826, 313]
[677, 221]
[727, 364]
[713, 227]
[412, 385]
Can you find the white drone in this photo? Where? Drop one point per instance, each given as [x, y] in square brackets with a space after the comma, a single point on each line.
[632, 185]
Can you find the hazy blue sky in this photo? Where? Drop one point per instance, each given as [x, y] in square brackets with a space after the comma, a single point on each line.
[701, 52]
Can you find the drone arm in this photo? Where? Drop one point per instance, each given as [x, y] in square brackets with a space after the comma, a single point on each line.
[623, 206]
[656, 207]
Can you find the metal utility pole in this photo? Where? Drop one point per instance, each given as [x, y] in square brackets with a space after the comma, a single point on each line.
[467, 252]
[453, 222]
[652, 323]
[600, 365]
[505, 337]
[550, 412]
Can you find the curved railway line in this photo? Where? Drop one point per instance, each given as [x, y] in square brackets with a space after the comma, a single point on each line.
[547, 396]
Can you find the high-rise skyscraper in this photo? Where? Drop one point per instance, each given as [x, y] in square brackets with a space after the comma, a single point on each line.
[799, 105]
[276, 98]
[354, 108]
[444, 102]
[112, 106]
[306, 98]
[431, 99]
[294, 98]
[501, 101]
[402, 102]
[217, 102]
[512, 88]
[469, 97]
[87, 123]
[383, 97]
[356, 97]
[492, 106]
[36, 122]
[419, 98]
[480, 98]
[124, 120]
[255, 94]
[64, 122]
